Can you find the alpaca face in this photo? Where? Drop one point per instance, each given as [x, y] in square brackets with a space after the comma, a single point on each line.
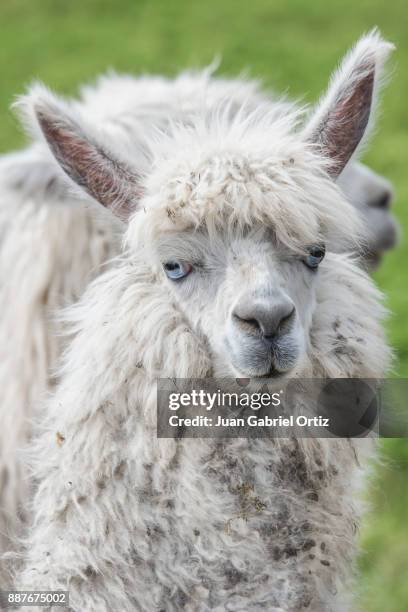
[251, 297]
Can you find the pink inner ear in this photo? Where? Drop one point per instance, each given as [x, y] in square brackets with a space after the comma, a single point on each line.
[342, 128]
[347, 122]
[90, 167]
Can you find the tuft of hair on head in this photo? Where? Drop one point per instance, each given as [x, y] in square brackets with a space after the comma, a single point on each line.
[80, 151]
[343, 117]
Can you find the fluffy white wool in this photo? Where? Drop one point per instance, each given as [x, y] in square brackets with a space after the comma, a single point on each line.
[131, 522]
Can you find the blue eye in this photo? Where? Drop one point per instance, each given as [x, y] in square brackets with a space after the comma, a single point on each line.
[175, 270]
[315, 256]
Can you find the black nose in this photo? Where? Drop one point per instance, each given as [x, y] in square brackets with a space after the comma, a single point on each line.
[262, 318]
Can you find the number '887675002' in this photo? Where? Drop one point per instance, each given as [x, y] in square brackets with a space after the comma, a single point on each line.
[18, 599]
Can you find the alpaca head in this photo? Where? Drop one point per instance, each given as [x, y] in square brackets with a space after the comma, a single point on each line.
[233, 216]
[372, 196]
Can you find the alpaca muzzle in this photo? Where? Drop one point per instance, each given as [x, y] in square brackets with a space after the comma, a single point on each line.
[262, 340]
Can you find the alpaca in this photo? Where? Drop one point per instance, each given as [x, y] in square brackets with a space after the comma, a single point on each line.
[222, 215]
[73, 242]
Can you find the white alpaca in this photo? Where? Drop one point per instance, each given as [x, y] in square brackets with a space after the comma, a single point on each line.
[131, 522]
[40, 218]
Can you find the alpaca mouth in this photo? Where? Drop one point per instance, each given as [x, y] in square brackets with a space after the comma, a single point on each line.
[274, 373]
[255, 358]
[266, 366]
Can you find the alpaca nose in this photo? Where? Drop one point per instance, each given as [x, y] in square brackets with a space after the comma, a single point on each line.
[263, 318]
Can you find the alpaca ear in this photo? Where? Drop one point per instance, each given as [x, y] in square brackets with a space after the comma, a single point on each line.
[85, 160]
[339, 122]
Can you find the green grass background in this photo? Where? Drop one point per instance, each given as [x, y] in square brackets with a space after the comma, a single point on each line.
[293, 45]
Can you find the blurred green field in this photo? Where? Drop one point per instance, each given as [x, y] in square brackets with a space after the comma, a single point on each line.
[293, 46]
